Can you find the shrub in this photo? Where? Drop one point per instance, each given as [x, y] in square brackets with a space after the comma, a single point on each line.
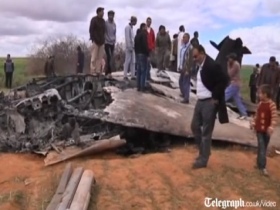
[64, 50]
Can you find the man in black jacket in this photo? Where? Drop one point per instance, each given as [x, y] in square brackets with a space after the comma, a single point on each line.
[9, 68]
[253, 84]
[211, 85]
[97, 36]
[80, 60]
[142, 55]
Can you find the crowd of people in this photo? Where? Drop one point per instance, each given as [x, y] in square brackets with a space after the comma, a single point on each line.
[267, 74]
[214, 87]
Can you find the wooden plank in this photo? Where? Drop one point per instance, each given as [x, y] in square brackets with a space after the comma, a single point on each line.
[98, 146]
[86, 204]
[61, 188]
[81, 196]
[71, 188]
[141, 110]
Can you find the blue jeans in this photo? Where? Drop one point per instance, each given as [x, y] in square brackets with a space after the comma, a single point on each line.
[148, 70]
[233, 92]
[263, 141]
[141, 64]
[185, 84]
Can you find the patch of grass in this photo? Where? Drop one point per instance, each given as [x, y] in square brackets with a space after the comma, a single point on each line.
[95, 191]
[21, 74]
[47, 192]
[16, 197]
[245, 75]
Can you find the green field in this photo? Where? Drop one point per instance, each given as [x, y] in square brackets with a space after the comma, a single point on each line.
[21, 75]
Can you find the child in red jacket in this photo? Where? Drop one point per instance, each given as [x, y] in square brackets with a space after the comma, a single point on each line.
[264, 123]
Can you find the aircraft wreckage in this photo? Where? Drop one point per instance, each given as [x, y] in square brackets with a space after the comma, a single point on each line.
[48, 113]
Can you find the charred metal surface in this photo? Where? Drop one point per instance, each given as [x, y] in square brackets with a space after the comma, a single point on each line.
[34, 122]
[80, 109]
[133, 109]
[227, 46]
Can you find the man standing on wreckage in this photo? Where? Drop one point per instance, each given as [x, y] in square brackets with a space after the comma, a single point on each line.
[211, 84]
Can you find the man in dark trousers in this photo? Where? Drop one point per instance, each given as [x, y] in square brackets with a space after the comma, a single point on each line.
[142, 52]
[110, 41]
[97, 31]
[270, 75]
[253, 84]
[80, 60]
[211, 84]
[9, 68]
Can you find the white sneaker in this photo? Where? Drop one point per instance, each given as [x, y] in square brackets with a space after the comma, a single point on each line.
[242, 118]
[264, 172]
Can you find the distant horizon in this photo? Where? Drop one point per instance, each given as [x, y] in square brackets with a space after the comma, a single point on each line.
[255, 22]
[4, 57]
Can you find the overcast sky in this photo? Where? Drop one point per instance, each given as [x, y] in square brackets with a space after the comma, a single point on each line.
[25, 22]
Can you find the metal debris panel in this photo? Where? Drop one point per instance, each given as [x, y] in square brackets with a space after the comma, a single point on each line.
[142, 110]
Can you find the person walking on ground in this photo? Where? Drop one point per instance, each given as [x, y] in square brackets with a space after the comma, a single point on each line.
[179, 42]
[142, 52]
[151, 43]
[129, 63]
[270, 75]
[163, 48]
[233, 90]
[253, 84]
[173, 54]
[110, 41]
[80, 60]
[264, 124]
[185, 67]
[97, 36]
[9, 69]
[211, 85]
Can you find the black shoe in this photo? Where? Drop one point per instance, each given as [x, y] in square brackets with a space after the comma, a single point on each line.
[185, 102]
[198, 165]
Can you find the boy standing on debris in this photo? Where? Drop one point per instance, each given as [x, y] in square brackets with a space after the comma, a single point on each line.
[264, 123]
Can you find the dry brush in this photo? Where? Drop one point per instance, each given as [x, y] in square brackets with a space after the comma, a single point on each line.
[65, 53]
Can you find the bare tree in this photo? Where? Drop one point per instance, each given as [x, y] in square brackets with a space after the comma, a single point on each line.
[64, 51]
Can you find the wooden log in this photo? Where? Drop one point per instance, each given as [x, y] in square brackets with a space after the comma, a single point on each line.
[71, 188]
[61, 188]
[98, 146]
[86, 204]
[84, 188]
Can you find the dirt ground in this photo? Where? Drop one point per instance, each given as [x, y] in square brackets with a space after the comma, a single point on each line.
[162, 181]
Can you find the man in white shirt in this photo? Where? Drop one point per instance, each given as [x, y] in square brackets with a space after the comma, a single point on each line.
[180, 42]
[185, 67]
[211, 85]
[129, 63]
